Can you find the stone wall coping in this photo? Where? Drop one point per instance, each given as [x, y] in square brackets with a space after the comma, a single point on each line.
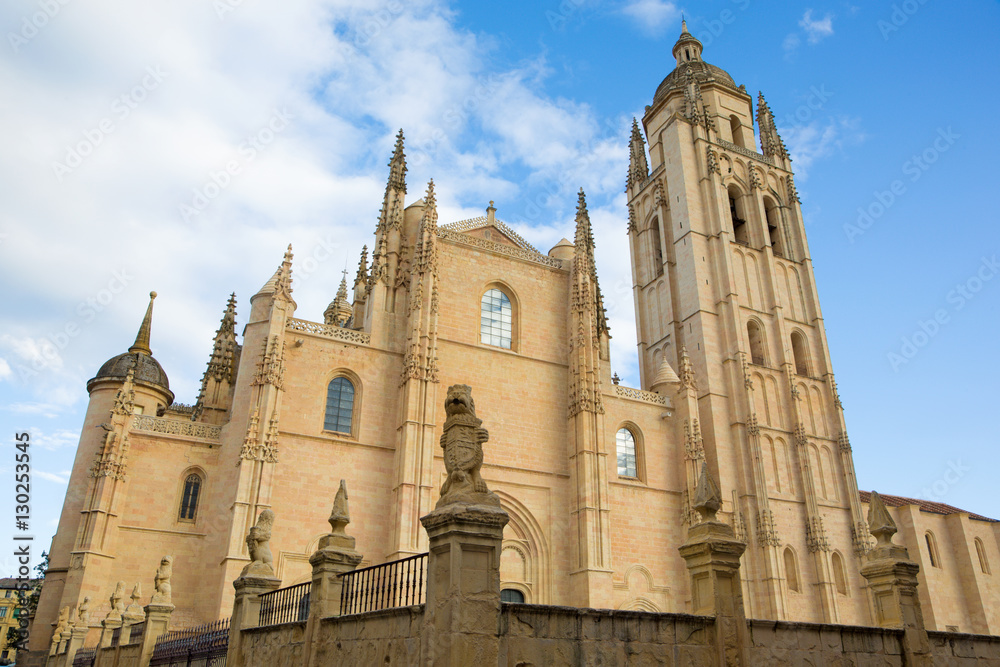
[828, 627]
[274, 628]
[412, 610]
[965, 636]
[511, 607]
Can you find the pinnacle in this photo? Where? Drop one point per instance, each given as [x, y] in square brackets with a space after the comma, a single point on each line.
[141, 344]
[636, 134]
[288, 254]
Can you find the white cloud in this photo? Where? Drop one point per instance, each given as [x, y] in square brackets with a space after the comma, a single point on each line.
[791, 43]
[818, 139]
[43, 409]
[652, 16]
[5, 371]
[58, 478]
[817, 29]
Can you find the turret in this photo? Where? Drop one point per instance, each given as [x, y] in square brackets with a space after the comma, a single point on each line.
[339, 311]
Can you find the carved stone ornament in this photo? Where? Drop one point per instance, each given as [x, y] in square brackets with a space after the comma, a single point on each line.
[117, 602]
[340, 516]
[259, 546]
[83, 612]
[134, 613]
[880, 522]
[161, 581]
[462, 442]
[707, 497]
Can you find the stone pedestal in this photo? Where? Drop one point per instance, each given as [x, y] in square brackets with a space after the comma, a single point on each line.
[892, 582]
[462, 614]
[78, 635]
[712, 553]
[335, 556]
[246, 611]
[157, 623]
[108, 627]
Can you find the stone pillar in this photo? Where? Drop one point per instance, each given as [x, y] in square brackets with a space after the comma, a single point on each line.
[462, 614]
[892, 583]
[157, 623]
[712, 553]
[108, 627]
[246, 611]
[335, 556]
[78, 635]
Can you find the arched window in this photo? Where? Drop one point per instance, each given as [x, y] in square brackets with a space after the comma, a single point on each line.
[800, 353]
[190, 496]
[625, 446]
[756, 338]
[738, 217]
[656, 246]
[773, 215]
[511, 595]
[496, 319]
[932, 549]
[839, 576]
[736, 127]
[984, 564]
[339, 405]
[791, 570]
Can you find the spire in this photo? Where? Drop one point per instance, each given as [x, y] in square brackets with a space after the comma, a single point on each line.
[584, 262]
[362, 276]
[281, 281]
[638, 168]
[425, 254]
[770, 141]
[141, 344]
[220, 375]
[339, 310]
[397, 165]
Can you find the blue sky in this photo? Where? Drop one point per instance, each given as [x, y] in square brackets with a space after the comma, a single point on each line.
[887, 109]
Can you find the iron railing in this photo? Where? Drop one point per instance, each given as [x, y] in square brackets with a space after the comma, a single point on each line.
[398, 583]
[135, 633]
[285, 605]
[85, 657]
[207, 642]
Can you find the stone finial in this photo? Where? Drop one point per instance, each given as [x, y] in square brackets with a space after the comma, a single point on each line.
[117, 602]
[340, 516]
[83, 611]
[462, 442]
[161, 581]
[134, 613]
[880, 522]
[259, 546]
[707, 496]
[141, 344]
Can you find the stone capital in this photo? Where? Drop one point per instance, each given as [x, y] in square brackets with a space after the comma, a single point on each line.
[481, 520]
[254, 585]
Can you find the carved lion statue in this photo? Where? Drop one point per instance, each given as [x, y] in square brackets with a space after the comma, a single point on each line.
[462, 442]
[259, 547]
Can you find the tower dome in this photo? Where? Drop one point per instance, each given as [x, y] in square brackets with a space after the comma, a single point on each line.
[139, 357]
[687, 53]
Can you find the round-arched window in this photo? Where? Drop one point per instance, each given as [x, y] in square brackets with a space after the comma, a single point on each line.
[496, 317]
[189, 499]
[511, 595]
[339, 405]
[625, 446]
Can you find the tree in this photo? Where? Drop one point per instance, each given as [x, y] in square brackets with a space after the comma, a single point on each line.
[27, 601]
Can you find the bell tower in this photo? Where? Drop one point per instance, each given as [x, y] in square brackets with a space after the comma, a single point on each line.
[721, 268]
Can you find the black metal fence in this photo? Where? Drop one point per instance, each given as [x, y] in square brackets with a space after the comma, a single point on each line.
[135, 633]
[85, 657]
[285, 605]
[398, 583]
[207, 642]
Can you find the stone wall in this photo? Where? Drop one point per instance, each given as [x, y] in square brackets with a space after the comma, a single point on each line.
[274, 645]
[536, 635]
[387, 637]
[960, 650]
[786, 643]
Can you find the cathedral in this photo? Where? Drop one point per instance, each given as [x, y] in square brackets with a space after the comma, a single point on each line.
[597, 477]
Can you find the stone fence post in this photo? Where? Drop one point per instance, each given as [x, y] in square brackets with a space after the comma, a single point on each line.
[892, 582]
[334, 556]
[712, 553]
[465, 531]
[255, 579]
